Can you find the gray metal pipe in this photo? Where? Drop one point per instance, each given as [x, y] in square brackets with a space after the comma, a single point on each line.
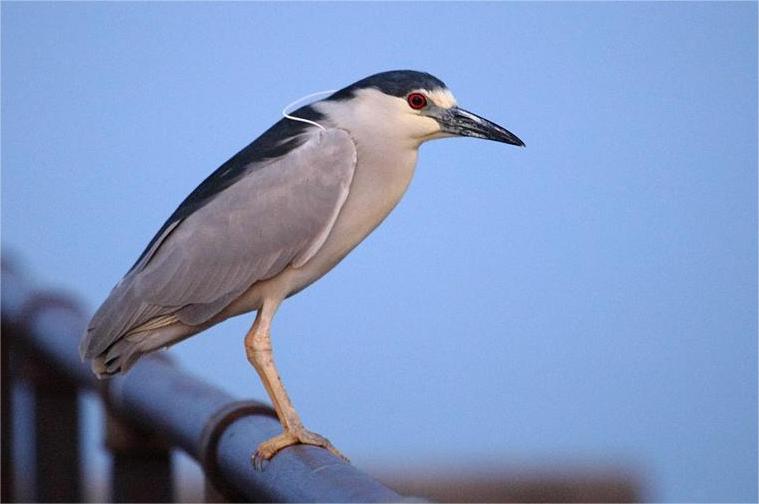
[204, 421]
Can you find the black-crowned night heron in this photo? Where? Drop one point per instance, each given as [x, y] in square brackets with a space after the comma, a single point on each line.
[273, 219]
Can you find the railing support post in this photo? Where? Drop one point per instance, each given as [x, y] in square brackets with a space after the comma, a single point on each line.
[141, 464]
[212, 494]
[56, 435]
[7, 491]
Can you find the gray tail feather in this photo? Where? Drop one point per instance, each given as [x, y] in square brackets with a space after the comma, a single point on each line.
[122, 311]
[119, 358]
[122, 354]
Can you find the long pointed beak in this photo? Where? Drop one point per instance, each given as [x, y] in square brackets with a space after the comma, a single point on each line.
[457, 121]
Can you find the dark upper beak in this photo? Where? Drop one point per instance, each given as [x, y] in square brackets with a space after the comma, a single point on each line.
[460, 122]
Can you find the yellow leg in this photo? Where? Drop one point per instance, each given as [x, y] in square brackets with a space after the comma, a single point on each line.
[259, 353]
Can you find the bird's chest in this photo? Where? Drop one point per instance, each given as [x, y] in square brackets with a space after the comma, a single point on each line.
[379, 182]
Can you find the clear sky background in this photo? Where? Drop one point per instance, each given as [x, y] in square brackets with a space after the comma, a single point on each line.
[592, 297]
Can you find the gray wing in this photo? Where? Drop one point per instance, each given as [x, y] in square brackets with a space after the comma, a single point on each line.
[276, 215]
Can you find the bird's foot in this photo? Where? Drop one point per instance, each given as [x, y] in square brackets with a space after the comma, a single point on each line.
[271, 447]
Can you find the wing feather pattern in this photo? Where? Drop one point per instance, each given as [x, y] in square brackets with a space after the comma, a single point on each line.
[276, 215]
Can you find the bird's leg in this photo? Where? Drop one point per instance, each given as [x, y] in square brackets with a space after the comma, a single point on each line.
[259, 353]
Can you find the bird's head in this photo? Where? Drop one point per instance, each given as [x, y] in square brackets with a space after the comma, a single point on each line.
[408, 107]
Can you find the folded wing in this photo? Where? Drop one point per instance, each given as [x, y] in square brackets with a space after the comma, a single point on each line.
[278, 214]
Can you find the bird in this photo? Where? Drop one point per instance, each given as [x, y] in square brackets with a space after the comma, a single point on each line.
[272, 220]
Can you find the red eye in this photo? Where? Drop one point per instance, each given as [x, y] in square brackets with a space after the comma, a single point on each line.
[416, 101]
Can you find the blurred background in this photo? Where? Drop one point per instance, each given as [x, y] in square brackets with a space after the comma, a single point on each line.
[587, 303]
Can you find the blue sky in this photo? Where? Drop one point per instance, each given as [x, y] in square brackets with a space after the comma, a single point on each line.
[591, 297]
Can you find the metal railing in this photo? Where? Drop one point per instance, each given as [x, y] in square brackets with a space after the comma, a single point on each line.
[155, 408]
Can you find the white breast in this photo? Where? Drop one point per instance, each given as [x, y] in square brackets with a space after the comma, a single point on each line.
[380, 180]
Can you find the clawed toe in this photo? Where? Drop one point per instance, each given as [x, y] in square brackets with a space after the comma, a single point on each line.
[312, 438]
[268, 449]
[259, 461]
